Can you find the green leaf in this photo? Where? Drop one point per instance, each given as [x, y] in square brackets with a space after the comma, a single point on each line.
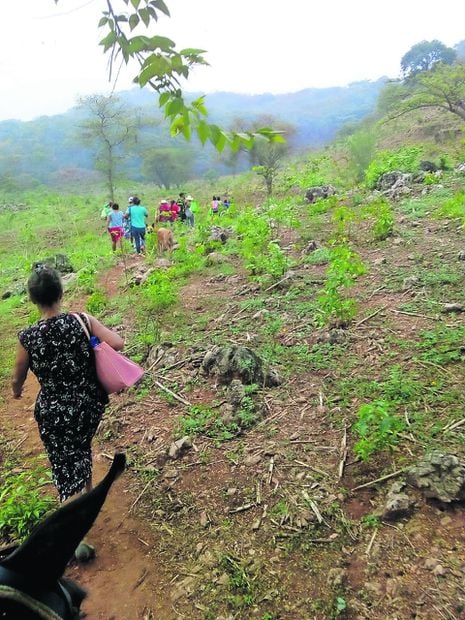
[134, 21]
[177, 126]
[192, 51]
[186, 127]
[161, 6]
[145, 16]
[138, 44]
[135, 3]
[174, 107]
[202, 131]
[163, 99]
[108, 41]
[163, 43]
[199, 105]
[156, 66]
[103, 21]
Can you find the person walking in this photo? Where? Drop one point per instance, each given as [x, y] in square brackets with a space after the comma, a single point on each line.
[115, 226]
[189, 212]
[182, 206]
[164, 211]
[139, 215]
[175, 210]
[127, 221]
[215, 205]
[71, 402]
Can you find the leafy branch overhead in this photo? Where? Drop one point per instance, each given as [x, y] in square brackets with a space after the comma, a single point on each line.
[162, 67]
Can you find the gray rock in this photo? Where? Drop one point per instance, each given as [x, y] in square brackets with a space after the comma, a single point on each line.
[333, 336]
[236, 393]
[163, 263]
[310, 247]
[428, 166]
[215, 258]
[410, 282]
[237, 362]
[461, 255]
[68, 279]
[398, 504]
[180, 446]
[440, 476]
[319, 192]
[452, 308]
[218, 233]
[60, 262]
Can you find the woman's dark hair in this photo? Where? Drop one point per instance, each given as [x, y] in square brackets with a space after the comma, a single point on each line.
[44, 285]
[115, 206]
[136, 200]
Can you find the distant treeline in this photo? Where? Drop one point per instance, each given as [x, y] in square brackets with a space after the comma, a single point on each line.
[49, 150]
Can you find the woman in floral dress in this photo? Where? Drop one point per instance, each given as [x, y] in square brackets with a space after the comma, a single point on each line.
[71, 401]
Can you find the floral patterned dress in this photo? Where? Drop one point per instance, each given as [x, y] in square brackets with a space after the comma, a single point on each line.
[71, 401]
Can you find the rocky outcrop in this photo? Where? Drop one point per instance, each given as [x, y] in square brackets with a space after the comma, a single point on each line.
[319, 191]
[440, 476]
[236, 362]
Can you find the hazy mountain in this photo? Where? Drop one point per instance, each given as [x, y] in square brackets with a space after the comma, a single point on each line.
[48, 148]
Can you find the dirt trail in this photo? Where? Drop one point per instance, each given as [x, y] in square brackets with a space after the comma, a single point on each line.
[124, 580]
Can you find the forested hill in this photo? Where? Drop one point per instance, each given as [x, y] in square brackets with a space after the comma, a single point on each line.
[49, 149]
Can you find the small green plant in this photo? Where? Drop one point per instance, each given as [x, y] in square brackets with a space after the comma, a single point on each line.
[453, 208]
[345, 266]
[370, 521]
[320, 256]
[377, 427]
[241, 583]
[342, 217]
[341, 605]
[22, 504]
[383, 218]
[97, 303]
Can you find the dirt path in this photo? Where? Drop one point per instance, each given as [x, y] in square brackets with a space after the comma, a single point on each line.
[124, 581]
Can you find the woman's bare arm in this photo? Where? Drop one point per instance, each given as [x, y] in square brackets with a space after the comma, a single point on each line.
[105, 335]
[20, 370]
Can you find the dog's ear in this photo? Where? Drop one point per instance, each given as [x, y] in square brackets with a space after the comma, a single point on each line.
[43, 556]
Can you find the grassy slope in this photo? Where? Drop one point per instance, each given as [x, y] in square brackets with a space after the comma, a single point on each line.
[239, 518]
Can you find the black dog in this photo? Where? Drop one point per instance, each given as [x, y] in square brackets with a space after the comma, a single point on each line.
[31, 582]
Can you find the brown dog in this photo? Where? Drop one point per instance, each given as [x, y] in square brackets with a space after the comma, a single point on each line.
[165, 240]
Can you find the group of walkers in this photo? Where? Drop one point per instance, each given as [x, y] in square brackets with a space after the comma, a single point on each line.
[132, 223]
[59, 352]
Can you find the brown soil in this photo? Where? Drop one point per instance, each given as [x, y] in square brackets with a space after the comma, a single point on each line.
[231, 520]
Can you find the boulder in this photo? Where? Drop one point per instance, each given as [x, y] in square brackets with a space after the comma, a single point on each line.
[215, 258]
[237, 362]
[310, 247]
[220, 234]
[60, 262]
[440, 476]
[319, 191]
[178, 447]
[393, 180]
[398, 503]
[428, 166]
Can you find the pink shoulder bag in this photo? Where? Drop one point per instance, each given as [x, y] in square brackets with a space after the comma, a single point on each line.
[115, 372]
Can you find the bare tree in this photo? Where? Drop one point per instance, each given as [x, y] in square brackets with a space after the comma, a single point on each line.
[109, 127]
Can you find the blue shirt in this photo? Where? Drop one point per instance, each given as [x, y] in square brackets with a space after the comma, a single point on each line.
[116, 219]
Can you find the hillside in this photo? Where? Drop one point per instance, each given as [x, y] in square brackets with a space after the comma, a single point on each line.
[48, 150]
[296, 448]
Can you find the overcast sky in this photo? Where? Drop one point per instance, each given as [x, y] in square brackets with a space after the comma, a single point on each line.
[49, 54]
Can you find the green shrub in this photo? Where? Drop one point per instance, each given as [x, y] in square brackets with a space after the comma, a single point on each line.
[21, 503]
[381, 212]
[97, 302]
[377, 427]
[405, 159]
